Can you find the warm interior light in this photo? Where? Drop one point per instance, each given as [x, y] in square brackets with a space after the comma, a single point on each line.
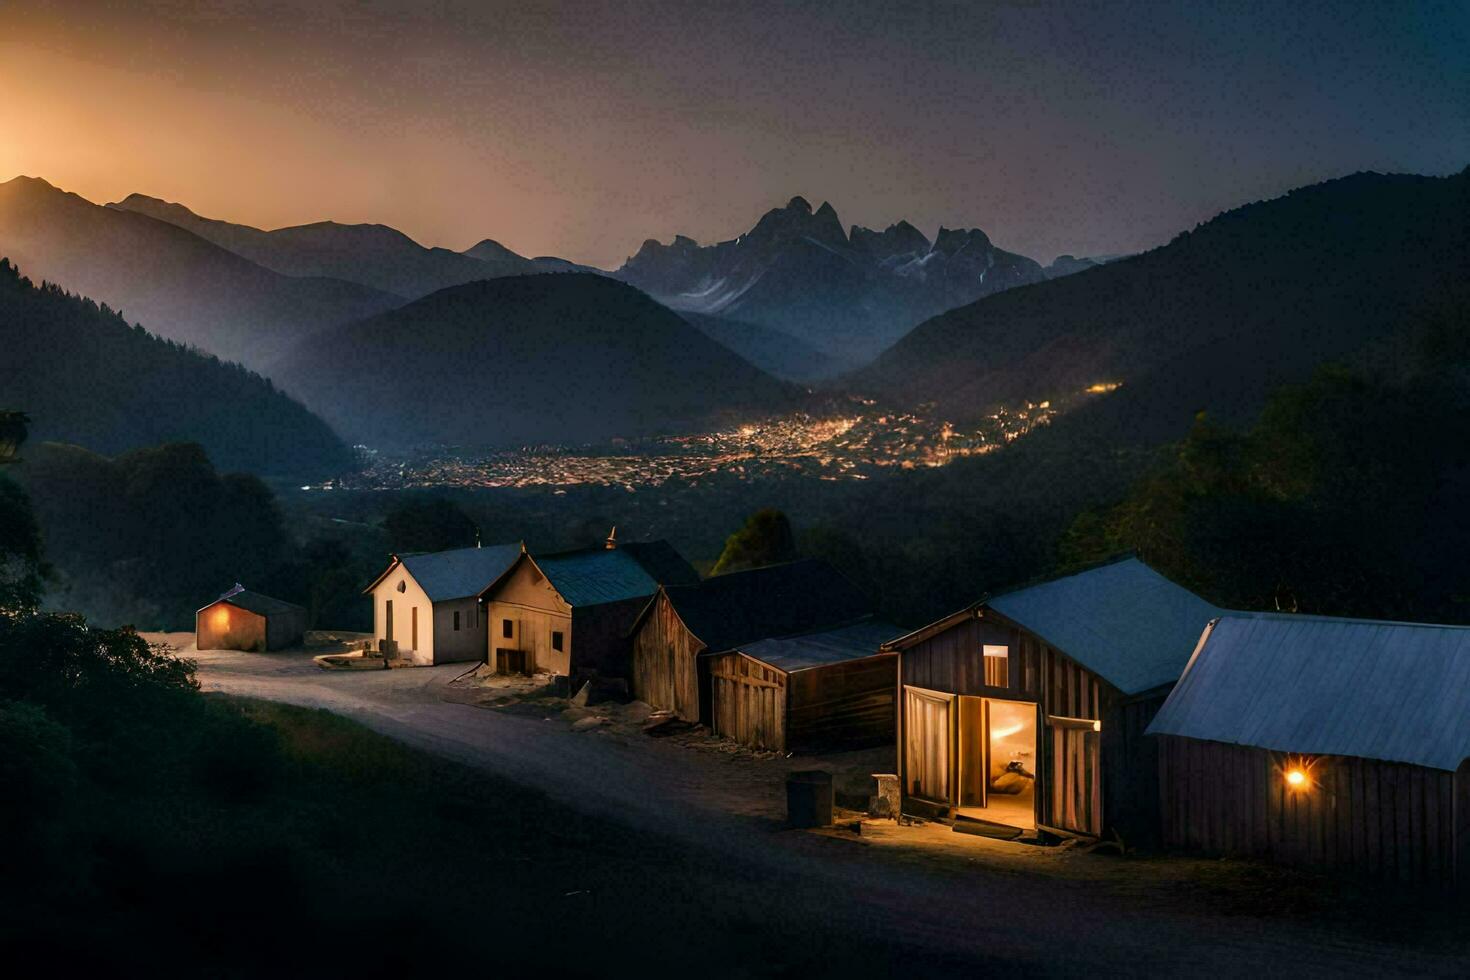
[1295, 778]
[221, 617]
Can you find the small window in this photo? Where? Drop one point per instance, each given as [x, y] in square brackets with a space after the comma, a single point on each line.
[556, 641]
[997, 665]
[402, 586]
[456, 620]
[507, 628]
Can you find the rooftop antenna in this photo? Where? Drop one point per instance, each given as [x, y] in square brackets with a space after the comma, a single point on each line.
[612, 538]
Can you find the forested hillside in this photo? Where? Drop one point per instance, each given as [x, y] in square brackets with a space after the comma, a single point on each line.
[180, 285]
[86, 376]
[548, 358]
[1354, 269]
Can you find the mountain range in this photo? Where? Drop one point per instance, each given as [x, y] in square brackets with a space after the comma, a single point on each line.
[571, 357]
[86, 376]
[1367, 269]
[371, 255]
[848, 293]
[176, 283]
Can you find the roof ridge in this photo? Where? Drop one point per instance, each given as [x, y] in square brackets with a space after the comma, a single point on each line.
[1321, 618]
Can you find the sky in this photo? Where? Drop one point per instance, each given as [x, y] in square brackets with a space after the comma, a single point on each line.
[581, 129]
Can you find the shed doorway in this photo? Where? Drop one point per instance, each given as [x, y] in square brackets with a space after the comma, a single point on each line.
[997, 761]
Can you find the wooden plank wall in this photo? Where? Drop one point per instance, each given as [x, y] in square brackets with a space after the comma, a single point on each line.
[846, 705]
[749, 701]
[1130, 763]
[600, 637]
[953, 662]
[1378, 819]
[665, 663]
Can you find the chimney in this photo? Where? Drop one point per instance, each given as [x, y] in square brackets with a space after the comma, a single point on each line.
[612, 538]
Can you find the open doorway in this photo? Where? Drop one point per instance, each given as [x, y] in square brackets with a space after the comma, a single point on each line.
[997, 761]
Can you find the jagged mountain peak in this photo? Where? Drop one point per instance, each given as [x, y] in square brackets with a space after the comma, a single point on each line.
[952, 240]
[847, 293]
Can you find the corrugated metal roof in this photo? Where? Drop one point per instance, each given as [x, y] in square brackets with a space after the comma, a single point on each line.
[1399, 692]
[1123, 621]
[852, 642]
[255, 602]
[460, 573]
[774, 600]
[593, 576]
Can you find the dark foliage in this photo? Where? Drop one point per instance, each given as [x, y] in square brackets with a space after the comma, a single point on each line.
[1346, 498]
[149, 536]
[765, 539]
[428, 524]
[86, 376]
[21, 563]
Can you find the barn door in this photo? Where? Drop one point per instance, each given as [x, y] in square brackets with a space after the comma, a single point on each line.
[928, 732]
[1074, 775]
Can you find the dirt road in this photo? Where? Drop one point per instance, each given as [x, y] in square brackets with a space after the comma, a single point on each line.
[980, 903]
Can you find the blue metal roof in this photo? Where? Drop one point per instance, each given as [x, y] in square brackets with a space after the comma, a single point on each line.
[1123, 621]
[852, 642]
[1316, 685]
[459, 573]
[596, 575]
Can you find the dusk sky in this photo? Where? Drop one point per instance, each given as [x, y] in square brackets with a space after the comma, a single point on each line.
[579, 129]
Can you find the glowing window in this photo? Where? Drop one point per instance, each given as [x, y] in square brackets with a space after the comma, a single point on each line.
[997, 665]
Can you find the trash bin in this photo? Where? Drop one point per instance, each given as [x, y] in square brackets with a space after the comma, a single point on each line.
[809, 798]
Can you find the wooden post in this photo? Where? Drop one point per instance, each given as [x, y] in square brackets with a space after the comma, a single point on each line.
[1461, 812]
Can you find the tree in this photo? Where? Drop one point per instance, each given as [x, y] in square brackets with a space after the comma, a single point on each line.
[1343, 499]
[765, 539]
[433, 524]
[21, 565]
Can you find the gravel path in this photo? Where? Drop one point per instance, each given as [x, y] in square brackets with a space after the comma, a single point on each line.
[977, 902]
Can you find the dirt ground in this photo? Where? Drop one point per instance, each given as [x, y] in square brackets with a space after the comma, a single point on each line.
[1046, 909]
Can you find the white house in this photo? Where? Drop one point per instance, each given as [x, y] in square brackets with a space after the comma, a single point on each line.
[426, 607]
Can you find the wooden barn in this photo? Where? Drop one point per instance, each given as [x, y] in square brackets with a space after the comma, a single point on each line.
[1028, 708]
[426, 607]
[675, 632]
[569, 612]
[245, 620]
[1333, 744]
[816, 692]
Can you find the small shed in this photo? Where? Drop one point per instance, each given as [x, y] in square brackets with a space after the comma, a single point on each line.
[426, 606]
[568, 612]
[1028, 708]
[815, 692]
[1336, 744]
[245, 620]
[682, 622]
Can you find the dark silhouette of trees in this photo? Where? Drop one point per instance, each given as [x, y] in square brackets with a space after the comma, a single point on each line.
[765, 539]
[428, 524]
[88, 377]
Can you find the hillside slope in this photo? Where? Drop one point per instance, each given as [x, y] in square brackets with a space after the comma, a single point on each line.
[1355, 268]
[182, 286]
[547, 358]
[87, 377]
[371, 255]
